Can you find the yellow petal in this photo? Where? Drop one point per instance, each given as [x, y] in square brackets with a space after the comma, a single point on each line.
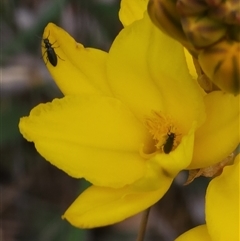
[98, 206]
[222, 204]
[74, 71]
[219, 135]
[132, 10]
[199, 233]
[190, 64]
[155, 177]
[152, 74]
[93, 137]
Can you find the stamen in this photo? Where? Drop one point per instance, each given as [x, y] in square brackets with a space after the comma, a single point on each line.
[163, 131]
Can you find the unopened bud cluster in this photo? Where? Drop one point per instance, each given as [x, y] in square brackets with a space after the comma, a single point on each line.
[210, 30]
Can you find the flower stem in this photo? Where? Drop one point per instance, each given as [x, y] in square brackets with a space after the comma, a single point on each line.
[143, 225]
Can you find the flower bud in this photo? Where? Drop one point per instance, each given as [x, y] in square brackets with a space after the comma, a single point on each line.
[202, 31]
[221, 63]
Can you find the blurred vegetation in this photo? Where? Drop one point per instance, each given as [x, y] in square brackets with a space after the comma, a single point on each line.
[34, 194]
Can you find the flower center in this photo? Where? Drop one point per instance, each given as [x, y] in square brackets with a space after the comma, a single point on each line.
[163, 131]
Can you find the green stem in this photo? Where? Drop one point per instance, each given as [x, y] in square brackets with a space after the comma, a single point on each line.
[143, 225]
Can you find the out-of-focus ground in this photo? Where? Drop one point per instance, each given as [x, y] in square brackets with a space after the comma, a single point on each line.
[34, 194]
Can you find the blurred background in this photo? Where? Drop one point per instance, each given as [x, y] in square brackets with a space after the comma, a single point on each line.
[35, 194]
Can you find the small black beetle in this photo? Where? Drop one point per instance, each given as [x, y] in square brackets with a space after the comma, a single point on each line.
[168, 145]
[51, 55]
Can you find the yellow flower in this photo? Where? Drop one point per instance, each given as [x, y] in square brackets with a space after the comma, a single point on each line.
[127, 121]
[222, 209]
